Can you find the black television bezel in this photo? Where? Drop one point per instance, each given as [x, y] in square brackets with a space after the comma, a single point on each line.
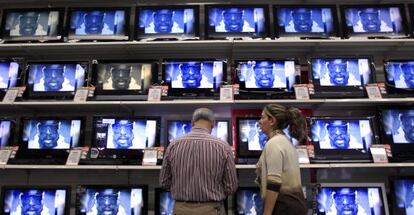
[341, 91]
[60, 154]
[37, 187]
[30, 94]
[124, 154]
[281, 33]
[102, 94]
[143, 187]
[60, 27]
[72, 36]
[18, 77]
[257, 189]
[140, 34]
[348, 33]
[211, 34]
[394, 208]
[269, 93]
[13, 127]
[392, 89]
[244, 153]
[345, 155]
[411, 16]
[193, 92]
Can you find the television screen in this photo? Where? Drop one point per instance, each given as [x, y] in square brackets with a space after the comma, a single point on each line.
[374, 20]
[306, 21]
[399, 77]
[398, 126]
[167, 22]
[347, 198]
[248, 201]
[35, 200]
[236, 21]
[178, 128]
[402, 191]
[9, 72]
[98, 24]
[164, 202]
[126, 200]
[6, 132]
[32, 24]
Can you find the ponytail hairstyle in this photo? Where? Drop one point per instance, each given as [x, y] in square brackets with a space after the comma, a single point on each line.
[287, 117]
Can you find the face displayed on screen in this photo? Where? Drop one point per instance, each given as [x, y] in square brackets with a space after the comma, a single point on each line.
[94, 22]
[408, 74]
[107, 202]
[370, 19]
[264, 75]
[407, 123]
[121, 76]
[48, 133]
[163, 20]
[32, 202]
[122, 134]
[28, 23]
[346, 202]
[302, 19]
[191, 74]
[233, 19]
[338, 72]
[53, 75]
[338, 134]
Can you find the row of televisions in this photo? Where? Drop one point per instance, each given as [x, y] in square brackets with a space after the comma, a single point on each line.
[330, 199]
[221, 21]
[332, 77]
[121, 140]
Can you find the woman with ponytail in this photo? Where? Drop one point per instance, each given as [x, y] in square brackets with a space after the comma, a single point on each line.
[278, 170]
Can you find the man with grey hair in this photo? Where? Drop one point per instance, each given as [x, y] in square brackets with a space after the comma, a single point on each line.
[199, 169]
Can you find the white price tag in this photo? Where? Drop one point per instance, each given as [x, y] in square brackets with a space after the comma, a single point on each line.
[81, 95]
[301, 92]
[150, 157]
[4, 156]
[303, 154]
[74, 157]
[11, 95]
[379, 154]
[373, 91]
[226, 93]
[154, 94]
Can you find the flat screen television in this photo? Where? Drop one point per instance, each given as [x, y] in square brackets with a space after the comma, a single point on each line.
[193, 78]
[383, 21]
[267, 79]
[352, 198]
[342, 139]
[122, 140]
[237, 21]
[341, 77]
[399, 78]
[247, 200]
[6, 132]
[44, 200]
[112, 199]
[98, 24]
[164, 202]
[402, 195]
[167, 22]
[310, 21]
[397, 130]
[37, 24]
[57, 80]
[10, 73]
[124, 80]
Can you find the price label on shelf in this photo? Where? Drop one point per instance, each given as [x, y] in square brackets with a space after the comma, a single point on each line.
[11, 95]
[303, 154]
[81, 94]
[154, 93]
[301, 92]
[226, 93]
[5, 156]
[379, 153]
[150, 157]
[74, 157]
[373, 91]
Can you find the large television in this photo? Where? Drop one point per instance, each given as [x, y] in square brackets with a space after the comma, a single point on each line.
[123, 140]
[112, 199]
[124, 80]
[399, 78]
[44, 200]
[352, 198]
[164, 202]
[193, 78]
[267, 79]
[383, 21]
[10, 72]
[37, 24]
[57, 80]
[310, 21]
[341, 77]
[98, 24]
[236, 21]
[6, 132]
[397, 130]
[247, 200]
[342, 139]
[402, 195]
[167, 22]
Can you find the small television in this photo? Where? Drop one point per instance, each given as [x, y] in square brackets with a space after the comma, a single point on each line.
[178, 128]
[124, 80]
[10, 73]
[57, 80]
[402, 195]
[112, 199]
[352, 198]
[399, 77]
[6, 132]
[341, 77]
[342, 139]
[267, 79]
[123, 140]
[383, 21]
[98, 24]
[397, 130]
[247, 200]
[236, 21]
[39, 24]
[193, 78]
[164, 202]
[310, 21]
[45, 200]
[167, 22]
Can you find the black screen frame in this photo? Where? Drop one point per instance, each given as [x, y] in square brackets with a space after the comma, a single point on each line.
[19, 75]
[394, 207]
[392, 89]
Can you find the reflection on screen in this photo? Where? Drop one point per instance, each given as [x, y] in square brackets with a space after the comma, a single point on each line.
[400, 74]
[249, 202]
[237, 20]
[34, 201]
[5, 132]
[111, 201]
[126, 134]
[404, 195]
[51, 134]
[124, 76]
[166, 203]
[177, 129]
[56, 77]
[399, 124]
[167, 21]
[341, 72]
[8, 75]
[97, 22]
[32, 24]
[306, 20]
[350, 200]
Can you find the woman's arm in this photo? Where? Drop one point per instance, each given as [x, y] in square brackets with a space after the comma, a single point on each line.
[269, 202]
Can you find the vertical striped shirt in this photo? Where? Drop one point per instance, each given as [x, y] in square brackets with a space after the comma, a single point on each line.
[199, 167]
